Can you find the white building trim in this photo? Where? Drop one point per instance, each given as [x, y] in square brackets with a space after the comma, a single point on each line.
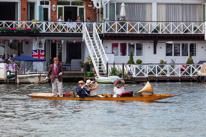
[161, 1]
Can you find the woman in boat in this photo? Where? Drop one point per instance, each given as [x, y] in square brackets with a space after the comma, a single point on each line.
[90, 84]
[118, 87]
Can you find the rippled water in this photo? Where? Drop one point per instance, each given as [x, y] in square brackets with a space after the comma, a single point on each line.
[180, 116]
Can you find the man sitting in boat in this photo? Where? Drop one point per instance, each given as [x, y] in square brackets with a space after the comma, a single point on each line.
[118, 87]
[81, 90]
[90, 84]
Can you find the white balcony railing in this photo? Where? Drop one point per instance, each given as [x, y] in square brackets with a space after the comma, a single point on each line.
[157, 70]
[127, 27]
[154, 27]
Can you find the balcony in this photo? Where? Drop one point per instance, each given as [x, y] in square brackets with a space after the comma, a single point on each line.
[114, 28]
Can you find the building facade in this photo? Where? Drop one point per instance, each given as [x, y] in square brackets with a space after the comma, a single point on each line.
[152, 30]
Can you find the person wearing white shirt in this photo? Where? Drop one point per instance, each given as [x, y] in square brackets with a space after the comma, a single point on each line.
[118, 87]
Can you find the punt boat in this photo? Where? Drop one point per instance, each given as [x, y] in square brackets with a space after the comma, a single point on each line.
[109, 97]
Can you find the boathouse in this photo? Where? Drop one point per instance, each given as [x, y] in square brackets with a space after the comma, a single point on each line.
[154, 31]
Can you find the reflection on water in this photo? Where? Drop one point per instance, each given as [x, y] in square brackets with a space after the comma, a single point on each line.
[182, 116]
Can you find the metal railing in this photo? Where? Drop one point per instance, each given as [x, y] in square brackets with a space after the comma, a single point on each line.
[133, 27]
[157, 70]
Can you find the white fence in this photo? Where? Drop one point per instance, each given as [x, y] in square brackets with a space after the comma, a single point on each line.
[133, 27]
[157, 70]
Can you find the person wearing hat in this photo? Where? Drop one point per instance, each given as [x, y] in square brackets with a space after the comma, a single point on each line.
[118, 87]
[56, 71]
[81, 90]
[90, 84]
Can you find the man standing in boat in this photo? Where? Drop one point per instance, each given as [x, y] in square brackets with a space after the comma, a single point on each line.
[56, 71]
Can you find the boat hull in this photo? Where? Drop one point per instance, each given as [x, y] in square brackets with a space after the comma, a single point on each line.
[31, 79]
[106, 97]
[106, 80]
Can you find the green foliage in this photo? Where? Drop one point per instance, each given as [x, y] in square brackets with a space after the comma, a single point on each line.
[113, 71]
[131, 60]
[90, 61]
[35, 29]
[138, 61]
[19, 28]
[190, 60]
[4, 28]
[81, 64]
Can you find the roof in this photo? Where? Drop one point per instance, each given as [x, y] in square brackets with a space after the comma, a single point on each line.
[26, 58]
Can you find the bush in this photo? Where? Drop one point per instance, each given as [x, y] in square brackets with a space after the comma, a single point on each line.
[131, 60]
[138, 61]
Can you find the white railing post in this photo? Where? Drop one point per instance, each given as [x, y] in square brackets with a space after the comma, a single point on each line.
[44, 26]
[205, 29]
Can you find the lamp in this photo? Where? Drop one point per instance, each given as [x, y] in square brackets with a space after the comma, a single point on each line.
[90, 4]
[40, 45]
[54, 7]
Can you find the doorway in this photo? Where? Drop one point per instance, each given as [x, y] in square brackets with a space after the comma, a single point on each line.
[73, 51]
[53, 50]
[46, 14]
[70, 12]
[7, 10]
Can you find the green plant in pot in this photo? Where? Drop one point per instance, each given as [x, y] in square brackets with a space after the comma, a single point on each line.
[190, 61]
[138, 61]
[131, 60]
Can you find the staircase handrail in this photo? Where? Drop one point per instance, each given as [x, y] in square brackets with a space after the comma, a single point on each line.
[100, 46]
[91, 51]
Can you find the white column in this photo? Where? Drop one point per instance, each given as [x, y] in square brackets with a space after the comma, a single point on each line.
[19, 10]
[37, 9]
[154, 11]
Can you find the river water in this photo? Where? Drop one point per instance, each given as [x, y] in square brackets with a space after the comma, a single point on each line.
[180, 116]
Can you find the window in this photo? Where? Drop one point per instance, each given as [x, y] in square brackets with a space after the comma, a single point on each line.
[184, 49]
[123, 49]
[63, 2]
[193, 49]
[168, 49]
[139, 49]
[131, 48]
[176, 49]
[44, 2]
[79, 3]
[115, 49]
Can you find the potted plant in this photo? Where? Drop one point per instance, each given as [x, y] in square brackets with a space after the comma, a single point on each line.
[81, 64]
[162, 62]
[138, 61]
[156, 30]
[35, 30]
[195, 29]
[113, 71]
[4, 29]
[129, 74]
[131, 60]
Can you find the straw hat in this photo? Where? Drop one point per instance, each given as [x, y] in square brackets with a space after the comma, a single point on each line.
[56, 59]
[88, 82]
[81, 82]
[119, 83]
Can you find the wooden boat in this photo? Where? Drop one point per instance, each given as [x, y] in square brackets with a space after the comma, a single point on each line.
[108, 97]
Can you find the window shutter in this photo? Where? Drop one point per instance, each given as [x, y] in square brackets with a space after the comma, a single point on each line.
[41, 13]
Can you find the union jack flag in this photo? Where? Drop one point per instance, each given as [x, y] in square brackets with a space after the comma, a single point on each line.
[38, 54]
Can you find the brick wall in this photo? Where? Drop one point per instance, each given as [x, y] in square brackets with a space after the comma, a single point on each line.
[53, 13]
[24, 10]
[90, 11]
